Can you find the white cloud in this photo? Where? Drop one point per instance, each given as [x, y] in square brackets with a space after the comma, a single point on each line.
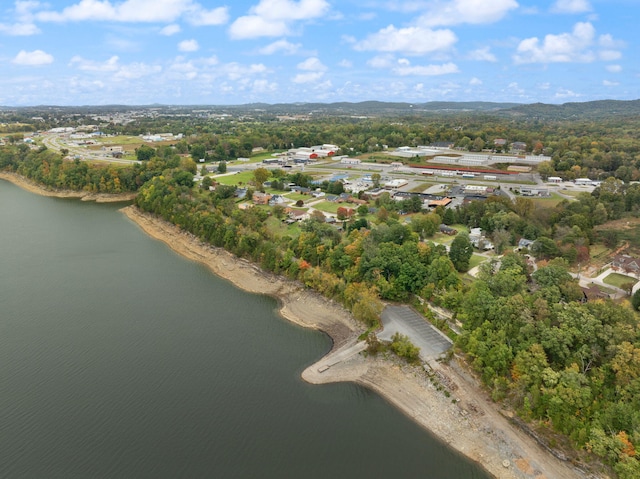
[609, 47]
[32, 59]
[312, 64]
[571, 6]
[405, 69]
[254, 26]
[170, 30]
[290, 10]
[381, 61]
[201, 17]
[271, 18]
[118, 72]
[264, 86]
[345, 63]
[280, 46]
[411, 40]
[565, 47]
[514, 87]
[307, 77]
[24, 25]
[607, 41]
[188, 46]
[563, 93]
[614, 68]
[609, 55]
[137, 11]
[456, 12]
[109, 65]
[483, 54]
[133, 71]
[235, 71]
[19, 29]
[313, 70]
[610, 83]
[475, 81]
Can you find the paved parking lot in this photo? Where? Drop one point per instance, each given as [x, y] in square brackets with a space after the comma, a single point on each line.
[421, 333]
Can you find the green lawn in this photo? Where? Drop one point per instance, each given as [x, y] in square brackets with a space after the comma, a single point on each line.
[618, 280]
[280, 228]
[549, 201]
[329, 207]
[296, 196]
[476, 259]
[258, 157]
[244, 178]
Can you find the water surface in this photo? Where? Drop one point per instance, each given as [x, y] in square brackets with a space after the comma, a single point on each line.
[120, 359]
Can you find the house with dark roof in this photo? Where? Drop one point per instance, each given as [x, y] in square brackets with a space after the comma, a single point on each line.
[592, 293]
[627, 264]
[518, 146]
[525, 243]
[277, 200]
[448, 230]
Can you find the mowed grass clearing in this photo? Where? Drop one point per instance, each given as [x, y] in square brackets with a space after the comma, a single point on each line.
[618, 280]
[237, 179]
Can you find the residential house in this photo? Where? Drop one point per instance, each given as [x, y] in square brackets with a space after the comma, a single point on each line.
[525, 243]
[277, 200]
[518, 146]
[448, 230]
[627, 264]
[298, 215]
[592, 293]
[478, 240]
[260, 198]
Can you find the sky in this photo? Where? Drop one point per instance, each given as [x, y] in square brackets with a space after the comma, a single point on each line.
[209, 52]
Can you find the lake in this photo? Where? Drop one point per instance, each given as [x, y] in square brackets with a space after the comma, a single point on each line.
[120, 359]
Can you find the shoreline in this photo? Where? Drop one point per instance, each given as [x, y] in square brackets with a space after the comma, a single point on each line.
[464, 417]
[33, 187]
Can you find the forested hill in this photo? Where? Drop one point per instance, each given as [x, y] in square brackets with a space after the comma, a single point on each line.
[567, 111]
[375, 108]
[592, 110]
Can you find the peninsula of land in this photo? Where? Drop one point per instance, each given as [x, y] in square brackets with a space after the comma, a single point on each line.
[464, 418]
[34, 187]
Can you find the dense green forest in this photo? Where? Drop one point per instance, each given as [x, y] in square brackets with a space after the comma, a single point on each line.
[48, 168]
[567, 366]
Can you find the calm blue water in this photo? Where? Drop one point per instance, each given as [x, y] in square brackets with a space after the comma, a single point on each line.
[120, 359]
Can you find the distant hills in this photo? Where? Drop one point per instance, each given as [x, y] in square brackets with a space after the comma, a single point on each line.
[586, 110]
[591, 109]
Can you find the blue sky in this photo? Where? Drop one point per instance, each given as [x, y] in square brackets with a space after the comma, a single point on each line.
[92, 52]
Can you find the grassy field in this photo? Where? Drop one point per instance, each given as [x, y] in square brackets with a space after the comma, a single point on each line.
[328, 207]
[280, 228]
[618, 280]
[237, 179]
[476, 259]
[258, 157]
[548, 201]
